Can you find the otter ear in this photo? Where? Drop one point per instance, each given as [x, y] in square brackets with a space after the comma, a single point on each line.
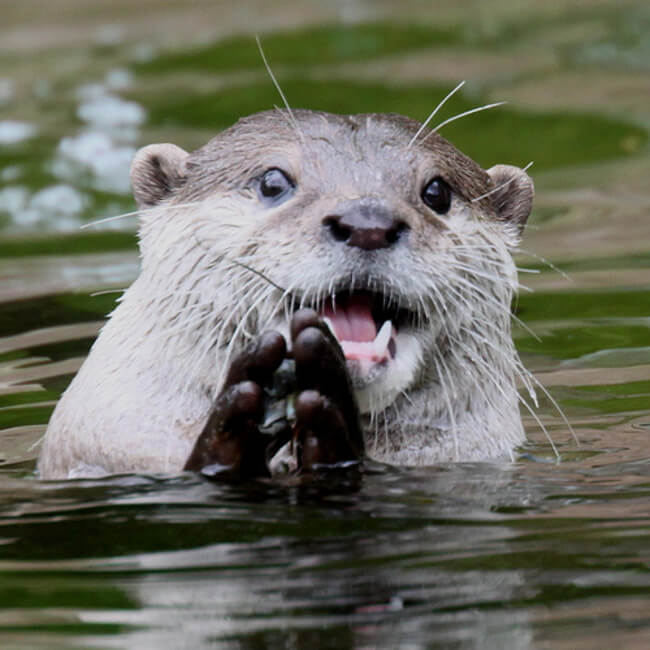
[156, 171]
[512, 194]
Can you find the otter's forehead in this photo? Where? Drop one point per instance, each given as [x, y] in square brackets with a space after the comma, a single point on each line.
[364, 151]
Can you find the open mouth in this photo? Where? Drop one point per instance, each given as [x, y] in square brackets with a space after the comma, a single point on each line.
[366, 325]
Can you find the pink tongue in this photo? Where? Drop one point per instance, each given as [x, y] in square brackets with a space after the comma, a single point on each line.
[352, 320]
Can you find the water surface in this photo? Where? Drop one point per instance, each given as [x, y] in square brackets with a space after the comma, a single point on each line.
[543, 552]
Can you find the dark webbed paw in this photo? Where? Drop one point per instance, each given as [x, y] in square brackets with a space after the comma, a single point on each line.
[230, 439]
[327, 416]
[254, 422]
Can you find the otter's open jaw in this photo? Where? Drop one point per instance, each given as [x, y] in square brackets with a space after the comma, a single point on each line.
[366, 325]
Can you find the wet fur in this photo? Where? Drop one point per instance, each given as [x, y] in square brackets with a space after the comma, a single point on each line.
[142, 396]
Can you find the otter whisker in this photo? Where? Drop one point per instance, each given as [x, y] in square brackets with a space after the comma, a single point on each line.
[481, 255]
[407, 397]
[489, 375]
[106, 292]
[484, 341]
[259, 273]
[464, 114]
[375, 416]
[282, 301]
[263, 294]
[386, 433]
[526, 328]
[505, 311]
[543, 260]
[139, 212]
[499, 187]
[519, 322]
[398, 418]
[551, 399]
[109, 219]
[277, 86]
[474, 253]
[224, 325]
[541, 426]
[263, 276]
[527, 375]
[476, 272]
[477, 381]
[438, 300]
[472, 289]
[433, 113]
[494, 278]
[502, 308]
[445, 392]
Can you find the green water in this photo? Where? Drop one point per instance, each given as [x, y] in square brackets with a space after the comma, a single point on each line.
[531, 554]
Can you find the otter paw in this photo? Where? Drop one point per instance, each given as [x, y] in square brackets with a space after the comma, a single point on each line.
[327, 414]
[325, 436]
[231, 443]
[278, 415]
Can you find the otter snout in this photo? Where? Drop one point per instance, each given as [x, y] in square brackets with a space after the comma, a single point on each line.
[365, 224]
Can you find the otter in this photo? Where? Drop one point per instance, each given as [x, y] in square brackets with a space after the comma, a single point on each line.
[369, 250]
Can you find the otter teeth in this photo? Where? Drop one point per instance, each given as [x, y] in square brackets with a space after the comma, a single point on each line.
[375, 351]
[383, 337]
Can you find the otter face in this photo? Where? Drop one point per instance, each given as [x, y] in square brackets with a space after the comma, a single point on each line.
[398, 246]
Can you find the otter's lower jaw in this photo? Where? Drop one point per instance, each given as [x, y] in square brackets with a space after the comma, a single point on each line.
[377, 386]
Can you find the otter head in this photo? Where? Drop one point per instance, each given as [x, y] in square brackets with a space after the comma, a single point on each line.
[401, 245]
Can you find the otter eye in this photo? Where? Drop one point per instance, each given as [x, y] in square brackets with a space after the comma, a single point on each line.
[274, 184]
[437, 195]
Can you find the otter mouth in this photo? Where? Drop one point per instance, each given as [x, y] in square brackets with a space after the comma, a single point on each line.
[366, 325]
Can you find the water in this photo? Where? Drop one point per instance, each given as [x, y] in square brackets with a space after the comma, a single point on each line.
[534, 554]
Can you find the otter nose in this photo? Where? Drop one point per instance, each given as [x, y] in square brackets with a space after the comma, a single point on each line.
[365, 227]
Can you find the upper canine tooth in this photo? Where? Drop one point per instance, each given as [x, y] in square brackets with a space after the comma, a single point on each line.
[383, 336]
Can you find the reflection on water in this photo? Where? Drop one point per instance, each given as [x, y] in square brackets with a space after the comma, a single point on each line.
[450, 554]
[525, 555]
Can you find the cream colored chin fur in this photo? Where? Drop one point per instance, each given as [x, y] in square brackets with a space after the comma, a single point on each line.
[146, 389]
